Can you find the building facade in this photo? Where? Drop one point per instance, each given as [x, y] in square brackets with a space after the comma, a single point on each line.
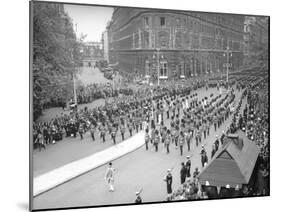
[255, 37]
[91, 52]
[105, 46]
[176, 44]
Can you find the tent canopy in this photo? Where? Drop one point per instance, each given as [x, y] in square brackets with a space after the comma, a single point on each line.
[233, 164]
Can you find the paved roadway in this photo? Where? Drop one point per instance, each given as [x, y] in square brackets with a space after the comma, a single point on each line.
[70, 149]
[139, 169]
[90, 75]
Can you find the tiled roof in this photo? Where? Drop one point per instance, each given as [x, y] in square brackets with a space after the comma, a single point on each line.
[233, 164]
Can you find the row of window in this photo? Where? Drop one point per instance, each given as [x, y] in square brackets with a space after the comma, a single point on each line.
[163, 69]
[192, 24]
[162, 21]
[147, 39]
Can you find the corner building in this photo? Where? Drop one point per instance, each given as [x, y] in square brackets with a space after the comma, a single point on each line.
[182, 44]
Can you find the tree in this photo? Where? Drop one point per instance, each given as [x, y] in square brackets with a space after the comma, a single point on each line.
[55, 54]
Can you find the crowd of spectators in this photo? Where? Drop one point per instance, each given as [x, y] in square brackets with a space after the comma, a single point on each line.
[124, 113]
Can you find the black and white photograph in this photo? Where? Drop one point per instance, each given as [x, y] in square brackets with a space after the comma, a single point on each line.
[133, 105]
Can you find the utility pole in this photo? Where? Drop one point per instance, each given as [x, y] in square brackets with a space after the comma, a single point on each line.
[73, 77]
[158, 67]
[74, 89]
[228, 54]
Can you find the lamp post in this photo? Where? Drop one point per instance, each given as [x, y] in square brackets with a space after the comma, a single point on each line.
[73, 77]
[158, 68]
[227, 53]
[158, 65]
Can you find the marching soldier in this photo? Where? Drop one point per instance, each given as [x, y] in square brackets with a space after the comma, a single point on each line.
[197, 136]
[80, 130]
[176, 135]
[146, 138]
[204, 127]
[92, 130]
[215, 122]
[130, 127]
[156, 140]
[122, 130]
[168, 140]
[188, 139]
[181, 142]
[102, 132]
[113, 134]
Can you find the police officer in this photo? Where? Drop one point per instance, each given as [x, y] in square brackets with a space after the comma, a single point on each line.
[188, 166]
[183, 173]
[169, 180]
[217, 143]
[213, 150]
[204, 157]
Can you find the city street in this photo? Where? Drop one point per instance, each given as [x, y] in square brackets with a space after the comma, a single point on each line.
[139, 169]
[89, 75]
[103, 75]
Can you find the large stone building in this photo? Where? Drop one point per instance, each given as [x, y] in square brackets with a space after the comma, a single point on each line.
[256, 31]
[105, 45]
[91, 52]
[180, 43]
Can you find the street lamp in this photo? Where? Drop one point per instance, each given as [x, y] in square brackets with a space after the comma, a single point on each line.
[158, 68]
[227, 53]
[73, 77]
[158, 74]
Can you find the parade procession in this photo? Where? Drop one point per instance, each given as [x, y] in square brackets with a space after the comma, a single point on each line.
[157, 106]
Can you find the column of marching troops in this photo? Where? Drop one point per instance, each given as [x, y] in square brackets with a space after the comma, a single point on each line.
[190, 119]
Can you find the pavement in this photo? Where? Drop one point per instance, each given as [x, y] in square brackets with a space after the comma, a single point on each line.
[69, 150]
[69, 171]
[89, 75]
[138, 169]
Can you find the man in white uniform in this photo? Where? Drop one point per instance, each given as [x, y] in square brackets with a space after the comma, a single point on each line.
[109, 177]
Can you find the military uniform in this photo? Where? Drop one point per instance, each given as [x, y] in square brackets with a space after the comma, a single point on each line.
[146, 139]
[92, 130]
[122, 130]
[156, 142]
[181, 142]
